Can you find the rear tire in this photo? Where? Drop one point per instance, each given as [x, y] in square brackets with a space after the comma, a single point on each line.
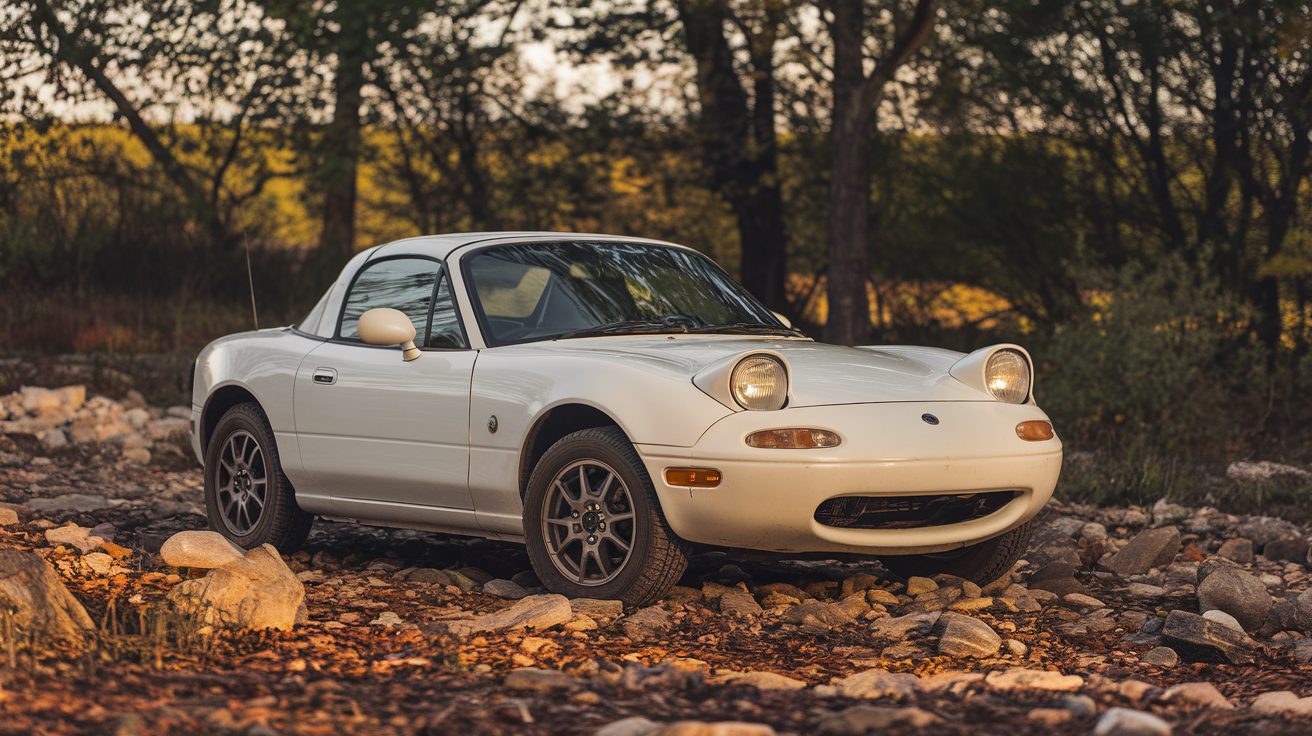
[979, 563]
[594, 526]
[247, 497]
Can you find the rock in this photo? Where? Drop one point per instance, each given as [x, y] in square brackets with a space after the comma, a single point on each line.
[1282, 703]
[635, 726]
[536, 612]
[1016, 648]
[79, 502]
[1160, 657]
[1194, 636]
[964, 636]
[34, 592]
[916, 586]
[202, 549]
[1057, 578]
[597, 608]
[257, 591]
[856, 584]
[792, 591]
[727, 728]
[1237, 593]
[54, 438]
[1093, 532]
[8, 517]
[137, 456]
[1238, 549]
[504, 589]
[105, 531]
[1143, 590]
[1126, 722]
[738, 602]
[99, 562]
[1221, 617]
[539, 680]
[1020, 679]
[388, 619]
[1081, 601]
[461, 580]
[1197, 695]
[74, 536]
[42, 401]
[913, 624]
[646, 622]
[1025, 602]
[1286, 549]
[826, 613]
[877, 683]
[1265, 470]
[1263, 529]
[1148, 549]
[869, 719]
[1080, 706]
[430, 576]
[763, 680]
[1168, 513]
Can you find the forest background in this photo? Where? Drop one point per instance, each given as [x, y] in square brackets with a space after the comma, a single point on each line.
[1123, 186]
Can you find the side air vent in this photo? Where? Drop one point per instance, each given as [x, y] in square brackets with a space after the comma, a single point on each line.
[909, 512]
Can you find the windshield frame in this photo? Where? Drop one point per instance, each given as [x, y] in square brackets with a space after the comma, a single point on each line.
[490, 339]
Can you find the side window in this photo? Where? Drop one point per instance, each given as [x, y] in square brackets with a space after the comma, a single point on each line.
[445, 332]
[405, 284]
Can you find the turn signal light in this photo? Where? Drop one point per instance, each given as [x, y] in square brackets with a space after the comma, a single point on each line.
[793, 439]
[1035, 430]
[692, 477]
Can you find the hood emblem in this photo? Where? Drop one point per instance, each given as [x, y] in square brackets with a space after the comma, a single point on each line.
[929, 418]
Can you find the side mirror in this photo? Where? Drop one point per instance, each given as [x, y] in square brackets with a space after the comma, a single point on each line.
[787, 322]
[385, 326]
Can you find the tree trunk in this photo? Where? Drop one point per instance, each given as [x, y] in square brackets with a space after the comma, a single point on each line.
[339, 160]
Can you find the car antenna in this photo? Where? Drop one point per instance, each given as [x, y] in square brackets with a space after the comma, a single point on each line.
[250, 278]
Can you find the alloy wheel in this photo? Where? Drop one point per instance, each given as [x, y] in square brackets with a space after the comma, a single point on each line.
[242, 482]
[588, 523]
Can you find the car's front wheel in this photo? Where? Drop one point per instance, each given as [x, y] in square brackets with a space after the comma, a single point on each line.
[593, 524]
[979, 563]
[247, 497]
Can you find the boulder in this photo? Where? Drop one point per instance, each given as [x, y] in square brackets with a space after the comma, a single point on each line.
[1282, 703]
[536, 612]
[1286, 549]
[878, 683]
[964, 636]
[256, 590]
[912, 624]
[826, 613]
[738, 602]
[1148, 549]
[74, 536]
[1237, 593]
[1195, 637]
[33, 591]
[1127, 722]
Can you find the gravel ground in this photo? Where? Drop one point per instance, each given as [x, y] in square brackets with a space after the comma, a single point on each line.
[1096, 630]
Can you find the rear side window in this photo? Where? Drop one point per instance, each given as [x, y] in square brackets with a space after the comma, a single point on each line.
[414, 286]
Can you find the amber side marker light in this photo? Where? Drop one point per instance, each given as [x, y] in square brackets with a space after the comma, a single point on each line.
[1035, 430]
[693, 477]
[793, 439]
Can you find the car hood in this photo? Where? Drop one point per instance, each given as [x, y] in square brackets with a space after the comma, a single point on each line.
[819, 374]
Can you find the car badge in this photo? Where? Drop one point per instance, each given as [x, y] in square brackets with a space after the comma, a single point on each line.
[929, 418]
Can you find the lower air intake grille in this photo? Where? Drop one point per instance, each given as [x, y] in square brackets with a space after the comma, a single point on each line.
[909, 512]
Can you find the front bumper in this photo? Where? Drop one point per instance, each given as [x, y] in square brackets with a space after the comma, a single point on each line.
[768, 497]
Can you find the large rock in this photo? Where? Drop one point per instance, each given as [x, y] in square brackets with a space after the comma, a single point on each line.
[1126, 722]
[30, 588]
[738, 602]
[1282, 703]
[1286, 549]
[536, 612]
[74, 536]
[1237, 593]
[912, 624]
[1263, 529]
[878, 683]
[1149, 548]
[256, 590]
[1198, 638]
[1023, 679]
[964, 636]
[1237, 550]
[825, 613]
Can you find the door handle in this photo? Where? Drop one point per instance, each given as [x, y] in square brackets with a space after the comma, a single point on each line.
[325, 376]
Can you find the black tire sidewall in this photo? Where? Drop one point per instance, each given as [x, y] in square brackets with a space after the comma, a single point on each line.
[248, 418]
[570, 449]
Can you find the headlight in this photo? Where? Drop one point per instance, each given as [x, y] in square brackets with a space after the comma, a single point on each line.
[1007, 376]
[759, 383]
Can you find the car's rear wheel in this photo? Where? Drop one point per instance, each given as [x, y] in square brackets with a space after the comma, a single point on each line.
[979, 563]
[593, 524]
[247, 497]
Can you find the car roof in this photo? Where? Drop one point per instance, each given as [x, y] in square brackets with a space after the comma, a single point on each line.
[440, 246]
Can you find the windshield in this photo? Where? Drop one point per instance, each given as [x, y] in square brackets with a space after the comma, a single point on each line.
[544, 291]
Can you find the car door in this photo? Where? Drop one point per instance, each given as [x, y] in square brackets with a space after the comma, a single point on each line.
[389, 439]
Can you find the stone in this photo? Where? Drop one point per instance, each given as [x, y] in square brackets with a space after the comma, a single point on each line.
[763, 680]
[964, 636]
[1238, 549]
[74, 536]
[1057, 578]
[1193, 636]
[8, 517]
[202, 549]
[1127, 722]
[1025, 602]
[1221, 617]
[430, 576]
[1282, 703]
[1093, 532]
[916, 586]
[738, 602]
[1160, 657]
[869, 719]
[461, 580]
[635, 726]
[1286, 549]
[79, 502]
[1237, 593]
[1148, 549]
[40, 603]
[1020, 679]
[726, 728]
[1016, 648]
[1264, 529]
[1143, 590]
[826, 613]
[137, 456]
[504, 589]
[877, 683]
[792, 591]
[646, 622]
[1081, 601]
[912, 624]
[1249, 472]
[54, 438]
[106, 531]
[388, 619]
[539, 680]
[1197, 695]
[536, 612]
[597, 608]
[42, 401]
[99, 562]
[856, 584]
[257, 591]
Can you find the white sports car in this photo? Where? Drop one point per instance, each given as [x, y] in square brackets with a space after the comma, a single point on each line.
[612, 402]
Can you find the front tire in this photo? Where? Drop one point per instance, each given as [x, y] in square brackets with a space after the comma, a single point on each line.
[594, 526]
[247, 497]
[979, 563]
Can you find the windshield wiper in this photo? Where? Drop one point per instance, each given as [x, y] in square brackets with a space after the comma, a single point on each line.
[668, 324]
[748, 327]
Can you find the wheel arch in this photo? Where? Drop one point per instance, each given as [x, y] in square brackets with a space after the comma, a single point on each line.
[219, 402]
[551, 426]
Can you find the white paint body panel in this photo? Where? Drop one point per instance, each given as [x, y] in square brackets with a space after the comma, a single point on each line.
[408, 444]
